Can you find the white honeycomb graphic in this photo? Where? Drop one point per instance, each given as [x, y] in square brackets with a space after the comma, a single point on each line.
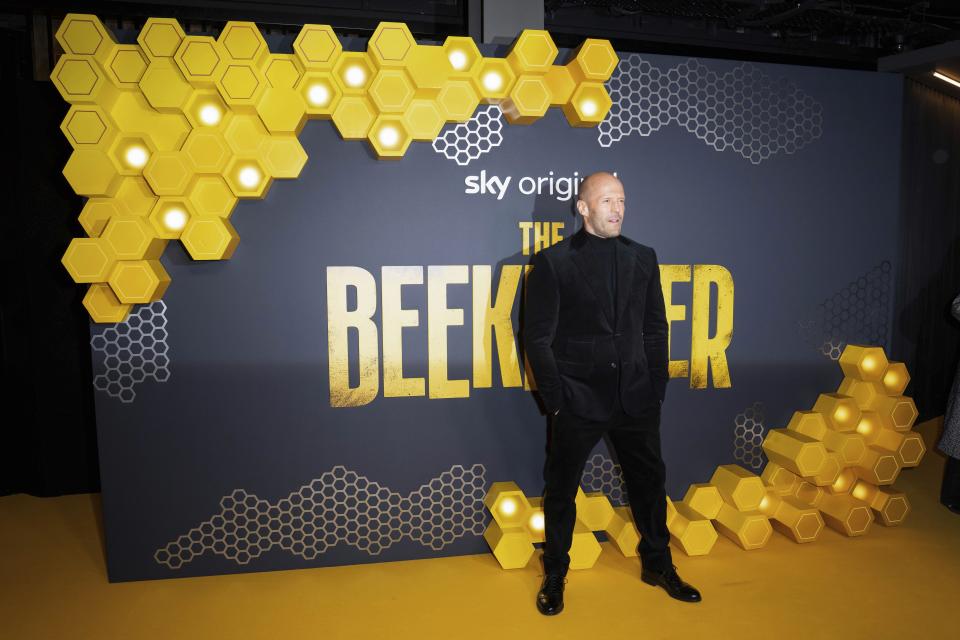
[602, 474]
[857, 314]
[748, 437]
[133, 351]
[471, 139]
[340, 506]
[742, 110]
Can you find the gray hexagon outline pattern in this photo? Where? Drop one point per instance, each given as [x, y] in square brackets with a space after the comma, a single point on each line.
[352, 509]
[742, 110]
[134, 351]
[467, 141]
[748, 435]
[601, 473]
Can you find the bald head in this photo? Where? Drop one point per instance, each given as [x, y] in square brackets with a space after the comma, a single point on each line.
[600, 201]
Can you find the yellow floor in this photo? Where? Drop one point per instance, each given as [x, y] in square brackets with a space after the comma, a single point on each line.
[891, 583]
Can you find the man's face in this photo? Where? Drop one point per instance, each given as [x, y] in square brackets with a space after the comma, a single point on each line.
[603, 207]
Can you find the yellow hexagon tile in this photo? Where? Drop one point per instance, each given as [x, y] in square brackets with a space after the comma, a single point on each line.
[353, 117]
[593, 61]
[863, 363]
[391, 44]
[507, 504]
[510, 545]
[126, 66]
[320, 92]
[529, 100]
[284, 157]
[241, 85]
[493, 79]
[103, 305]
[430, 69]
[87, 125]
[88, 260]
[896, 378]
[160, 37]
[211, 196]
[561, 85]
[391, 90]
[96, 213]
[164, 86]
[90, 172]
[353, 71]
[389, 137]
[139, 281]
[169, 173]
[207, 151]
[462, 54]
[317, 47]
[84, 34]
[246, 134]
[131, 153]
[206, 110]
[458, 99]
[132, 112]
[247, 177]
[243, 42]
[282, 110]
[588, 105]
[211, 238]
[200, 60]
[132, 239]
[135, 197]
[532, 52]
[169, 216]
[283, 70]
[80, 81]
[423, 119]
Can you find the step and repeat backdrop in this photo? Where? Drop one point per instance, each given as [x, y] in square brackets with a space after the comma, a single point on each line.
[345, 388]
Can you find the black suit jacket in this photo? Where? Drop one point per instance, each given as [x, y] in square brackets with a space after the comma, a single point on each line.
[579, 347]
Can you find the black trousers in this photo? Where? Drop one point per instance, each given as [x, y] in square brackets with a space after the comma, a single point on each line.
[637, 444]
[950, 489]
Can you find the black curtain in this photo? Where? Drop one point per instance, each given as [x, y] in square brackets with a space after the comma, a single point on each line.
[926, 337]
[47, 429]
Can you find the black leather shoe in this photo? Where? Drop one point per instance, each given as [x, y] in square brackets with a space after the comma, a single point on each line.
[550, 598]
[672, 584]
[952, 507]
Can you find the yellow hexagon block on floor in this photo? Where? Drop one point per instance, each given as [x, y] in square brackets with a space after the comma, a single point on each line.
[693, 533]
[88, 260]
[846, 480]
[284, 157]
[878, 466]
[704, 499]
[317, 47]
[511, 545]
[353, 117]
[911, 450]
[840, 411]
[535, 523]
[507, 504]
[90, 172]
[896, 378]
[863, 363]
[809, 423]
[282, 110]
[799, 453]
[169, 173]
[160, 37]
[593, 509]
[84, 34]
[792, 518]
[846, 514]
[780, 480]
[458, 100]
[391, 44]
[210, 238]
[103, 305]
[584, 550]
[890, 507]
[898, 412]
[133, 239]
[200, 59]
[738, 487]
[588, 105]
[164, 86]
[532, 52]
[529, 100]
[622, 532]
[749, 529]
[593, 61]
[139, 281]
[126, 65]
[211, 196]
[827, 475]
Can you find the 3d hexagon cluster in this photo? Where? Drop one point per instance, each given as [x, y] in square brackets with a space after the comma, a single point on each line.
[748, 434]
[856, 314]
[339, 507]
[134, 351]
[170, 132]
[742, 110]
[471, 139]
[831, 466]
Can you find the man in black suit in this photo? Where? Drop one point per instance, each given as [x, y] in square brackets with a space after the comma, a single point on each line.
[596, 338]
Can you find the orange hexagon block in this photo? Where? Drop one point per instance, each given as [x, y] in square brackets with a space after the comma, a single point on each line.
[126, 65]
[532, 53]
[799, 453]
[200, 59]
[160, 37]
[511, 545]
[863, 363]
[133, 239]
[90, 172]
[169, 173]
[390, 44]
[209, 238]
[529, 100]
[88, 260]
[284, 157]
[588, 105]
[211, 196]
[739, 487]
[139, 281]
[594, 61]
[282, 110]
[840, 411]
[317, 46]
[103, 305]
[507, 504]
[243, 42]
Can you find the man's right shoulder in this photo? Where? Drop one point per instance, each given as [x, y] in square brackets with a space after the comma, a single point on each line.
[556, 251]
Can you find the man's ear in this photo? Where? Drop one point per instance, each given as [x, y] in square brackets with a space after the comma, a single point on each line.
[581, 207]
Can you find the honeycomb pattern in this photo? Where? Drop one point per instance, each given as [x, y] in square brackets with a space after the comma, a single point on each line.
[197, 120]
[602, 474]
[469, 140]
[341, 506]
[748, 432]
[742, 110]
[134, 351]
[856, 314]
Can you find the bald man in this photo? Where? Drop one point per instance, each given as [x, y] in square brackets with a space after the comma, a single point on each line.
[596, 337]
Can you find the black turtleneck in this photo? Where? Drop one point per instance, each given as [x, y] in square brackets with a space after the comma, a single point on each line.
[604, 252]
